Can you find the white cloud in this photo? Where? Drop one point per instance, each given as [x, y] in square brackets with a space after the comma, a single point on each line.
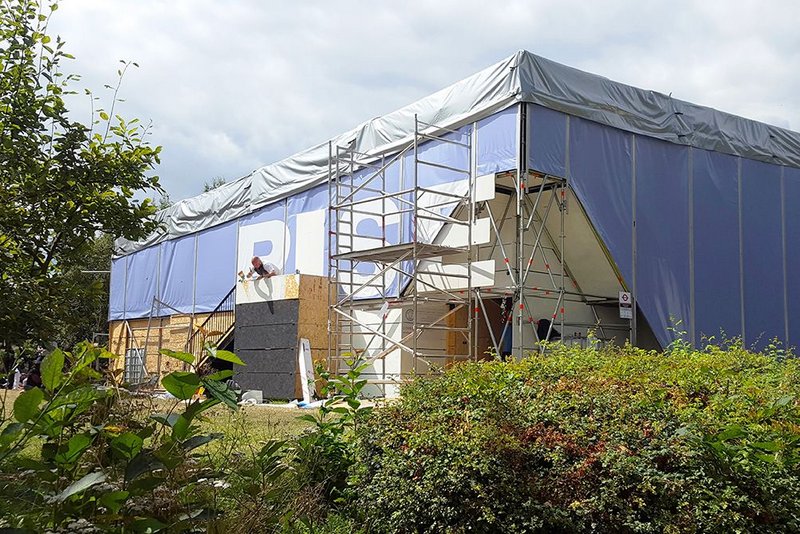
[234, 85]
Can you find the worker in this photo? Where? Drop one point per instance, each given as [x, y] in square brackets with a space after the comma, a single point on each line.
[262, 269]
[546, 332]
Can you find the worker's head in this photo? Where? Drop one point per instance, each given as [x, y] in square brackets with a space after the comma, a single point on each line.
[256, 261]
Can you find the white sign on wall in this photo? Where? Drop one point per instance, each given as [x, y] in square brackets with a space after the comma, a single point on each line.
[309, 256]
[625, 305]
[265, 240]
[306, 366]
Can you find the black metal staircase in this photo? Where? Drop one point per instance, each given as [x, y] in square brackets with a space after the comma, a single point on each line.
[217, 328]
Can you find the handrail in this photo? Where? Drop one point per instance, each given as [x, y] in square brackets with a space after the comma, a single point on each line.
[221, 320]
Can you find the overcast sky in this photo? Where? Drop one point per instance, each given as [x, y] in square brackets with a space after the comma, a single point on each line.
[233, 85]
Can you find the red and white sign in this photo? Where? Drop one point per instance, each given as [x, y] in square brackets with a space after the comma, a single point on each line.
[625, 305]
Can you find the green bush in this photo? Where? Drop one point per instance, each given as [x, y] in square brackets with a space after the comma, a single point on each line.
[617, 440]
[82, 454]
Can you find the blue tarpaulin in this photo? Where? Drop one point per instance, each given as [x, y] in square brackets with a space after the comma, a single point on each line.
[662, 236]
[703, 227]
[762, 241]
[718, 303]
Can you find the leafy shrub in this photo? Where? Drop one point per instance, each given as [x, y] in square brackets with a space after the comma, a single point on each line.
[302, 484]
[613, 440]
[80, 455]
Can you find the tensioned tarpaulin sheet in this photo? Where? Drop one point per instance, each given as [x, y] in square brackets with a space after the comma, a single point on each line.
[523, 77]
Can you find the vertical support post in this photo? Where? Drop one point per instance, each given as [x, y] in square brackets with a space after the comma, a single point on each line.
[194, 289]
[567, 178]
[785, 269]
[520, 190]
[562, 206]
[472, 335]
[384, 289]
[350, 181]
[635, 304]
[414, 237]
[332, 341]
[741, 247]
[692, 327]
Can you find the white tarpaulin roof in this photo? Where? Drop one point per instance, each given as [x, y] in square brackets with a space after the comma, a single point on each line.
[523, 77]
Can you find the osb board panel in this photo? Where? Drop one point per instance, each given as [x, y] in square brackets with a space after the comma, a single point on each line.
[319, 355]
[493, 311]
[117, 342]
[315, 332]
[314, 288]
[313, 314]
[280, 287]
[456, 344]
[169, 332]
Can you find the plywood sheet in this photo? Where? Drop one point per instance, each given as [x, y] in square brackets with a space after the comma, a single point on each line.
[282, 287]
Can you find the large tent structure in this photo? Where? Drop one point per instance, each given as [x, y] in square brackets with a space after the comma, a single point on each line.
[513, 205]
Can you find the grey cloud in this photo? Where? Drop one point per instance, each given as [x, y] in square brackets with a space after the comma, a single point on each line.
[231, 86]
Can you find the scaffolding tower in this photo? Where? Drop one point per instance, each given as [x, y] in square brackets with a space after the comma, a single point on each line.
[406, 272]
[429, 270]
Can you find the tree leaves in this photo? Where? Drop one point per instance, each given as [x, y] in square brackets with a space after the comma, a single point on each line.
[222, 392]
[51, 369]
[114, 500]
[83, 484]
[27, 404]
[228, 357]
[63, 185]
[142, 463]
[71, 451]
[127, 445]
[219, 376]
[182, 356]
[182, 385]
[198, 441]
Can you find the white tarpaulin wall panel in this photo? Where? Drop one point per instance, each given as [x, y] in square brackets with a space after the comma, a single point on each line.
[141, 284]
[443, 276]
[307, 233]
[457, 235]
[716, 242]
[496, 146]
[762, 252]
[791, 199]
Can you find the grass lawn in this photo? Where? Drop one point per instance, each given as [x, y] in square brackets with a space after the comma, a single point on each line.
[242, 430]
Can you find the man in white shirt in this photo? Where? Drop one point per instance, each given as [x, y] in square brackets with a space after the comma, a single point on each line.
[262, 269]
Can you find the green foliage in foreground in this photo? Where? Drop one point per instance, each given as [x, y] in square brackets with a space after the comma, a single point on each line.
[617, 440]
[95, 462]
[590, 441]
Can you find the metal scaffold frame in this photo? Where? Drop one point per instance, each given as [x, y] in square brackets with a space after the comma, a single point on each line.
[535, 263]
[410, 259]
[536, 197]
